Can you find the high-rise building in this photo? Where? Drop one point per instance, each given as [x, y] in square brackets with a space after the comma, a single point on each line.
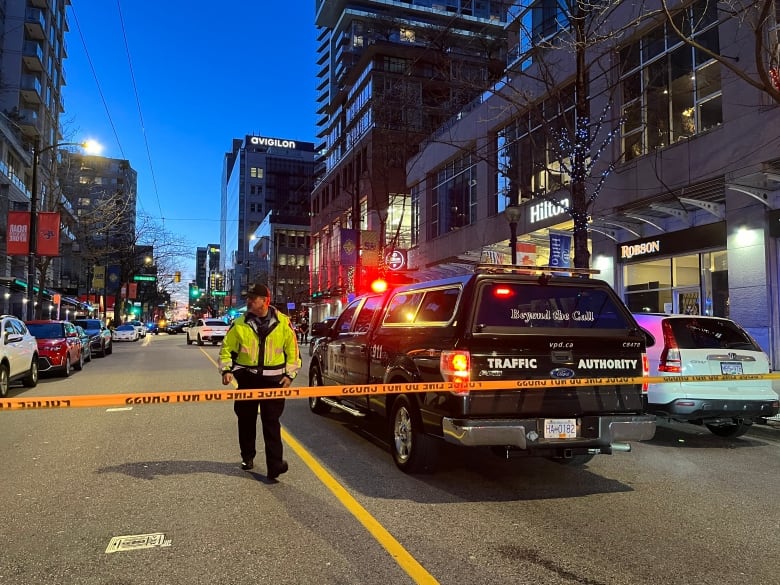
[32, 51]
[265, 179]
[389, 75]
[100, 194]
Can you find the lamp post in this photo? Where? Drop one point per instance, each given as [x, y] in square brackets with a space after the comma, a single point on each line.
[37, 151]
[512, 213]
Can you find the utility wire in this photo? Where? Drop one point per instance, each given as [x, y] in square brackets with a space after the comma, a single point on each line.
[97, 82]
[140, 114]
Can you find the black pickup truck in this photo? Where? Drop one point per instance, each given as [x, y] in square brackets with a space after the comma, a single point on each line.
[493, 325]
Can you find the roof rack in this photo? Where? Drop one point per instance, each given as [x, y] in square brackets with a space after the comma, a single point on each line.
[531, 269]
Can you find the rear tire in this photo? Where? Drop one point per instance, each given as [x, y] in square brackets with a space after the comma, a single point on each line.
[80, 364]
[4, 382]
[200, 341]
[737, 429]
[413, 450]
[31, 379]
[316, 405]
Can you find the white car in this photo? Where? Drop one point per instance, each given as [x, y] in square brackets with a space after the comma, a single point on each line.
[213, 330]
[126, 332]
[18, 354]
[694, 345]
[140, 327]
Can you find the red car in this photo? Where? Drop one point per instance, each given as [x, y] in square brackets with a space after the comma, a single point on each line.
[59, 346]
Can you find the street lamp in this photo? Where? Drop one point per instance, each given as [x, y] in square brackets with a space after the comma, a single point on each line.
[89, 146]
[512, 214]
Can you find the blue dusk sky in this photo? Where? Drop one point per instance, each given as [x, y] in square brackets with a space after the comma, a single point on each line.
[168, 85]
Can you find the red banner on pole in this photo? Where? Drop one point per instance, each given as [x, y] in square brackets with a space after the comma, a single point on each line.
[133, 290]
[48, 233]
[17, 239]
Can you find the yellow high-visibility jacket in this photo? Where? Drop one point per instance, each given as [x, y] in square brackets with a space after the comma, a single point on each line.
[241, 347]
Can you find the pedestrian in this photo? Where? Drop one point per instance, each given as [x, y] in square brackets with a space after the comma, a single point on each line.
[260, 350]
[304, 331]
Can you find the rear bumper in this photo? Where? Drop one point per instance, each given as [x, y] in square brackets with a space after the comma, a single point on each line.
[685, 409]
[593, 431]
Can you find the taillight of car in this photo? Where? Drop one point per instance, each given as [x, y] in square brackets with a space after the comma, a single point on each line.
[670, 356]
[455, 366]
[645, 371]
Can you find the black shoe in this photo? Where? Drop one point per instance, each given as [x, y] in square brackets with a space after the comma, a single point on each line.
[247, 465]
[274, 472]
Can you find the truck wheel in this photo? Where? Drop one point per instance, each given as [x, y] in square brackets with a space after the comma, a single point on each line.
[413, 451]
[316, 405]
[575, 460]
[737, 429]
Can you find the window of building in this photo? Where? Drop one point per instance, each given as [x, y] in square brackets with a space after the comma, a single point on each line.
[256, 172]
[407, 35]
[530, 158]
[453, 196]
[671, 91]
[694, 284]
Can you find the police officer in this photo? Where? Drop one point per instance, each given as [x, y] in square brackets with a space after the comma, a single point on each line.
[260, 350]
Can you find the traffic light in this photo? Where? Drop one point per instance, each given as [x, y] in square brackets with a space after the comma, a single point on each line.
[194, 291]
[177, 276]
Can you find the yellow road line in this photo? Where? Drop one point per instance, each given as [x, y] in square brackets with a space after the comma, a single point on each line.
[401, 556]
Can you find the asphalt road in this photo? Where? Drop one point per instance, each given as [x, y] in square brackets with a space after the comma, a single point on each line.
[153, 494]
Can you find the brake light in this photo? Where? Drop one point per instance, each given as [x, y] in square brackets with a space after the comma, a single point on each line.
[670, 356]
[455, 366]
[645, 371]
[502, 292]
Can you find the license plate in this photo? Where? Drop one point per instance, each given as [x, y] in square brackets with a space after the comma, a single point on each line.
[730, 368]
[560, 428]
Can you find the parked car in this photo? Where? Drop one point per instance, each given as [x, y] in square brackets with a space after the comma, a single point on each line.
[318, 331]
[695, 345]
[100, 336]
[498, 325]
[140, 327]
[18, 354]
[59, 346]
[86, 347]
[125, 332]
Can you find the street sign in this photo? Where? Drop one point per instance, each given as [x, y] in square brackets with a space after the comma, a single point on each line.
[144, 278]
[218, 293]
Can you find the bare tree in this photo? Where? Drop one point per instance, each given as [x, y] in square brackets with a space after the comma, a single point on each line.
[761, 18]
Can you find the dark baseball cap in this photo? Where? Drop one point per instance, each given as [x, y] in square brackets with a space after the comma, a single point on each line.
[258, 289]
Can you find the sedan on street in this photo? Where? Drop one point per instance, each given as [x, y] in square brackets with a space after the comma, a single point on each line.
[126, 332]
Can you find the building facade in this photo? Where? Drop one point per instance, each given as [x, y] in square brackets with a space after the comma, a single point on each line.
[264, 179]
[684, 185]
[32, 53]
[101, 253]
[389, 74]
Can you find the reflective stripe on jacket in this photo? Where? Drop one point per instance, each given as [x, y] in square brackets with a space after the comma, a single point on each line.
[241, 347]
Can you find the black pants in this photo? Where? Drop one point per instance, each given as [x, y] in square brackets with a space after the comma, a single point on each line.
[270, 412]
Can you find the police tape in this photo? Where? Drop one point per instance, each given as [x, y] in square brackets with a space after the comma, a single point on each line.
[293, 392]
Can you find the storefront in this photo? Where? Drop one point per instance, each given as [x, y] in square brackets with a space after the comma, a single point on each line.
[680, 272]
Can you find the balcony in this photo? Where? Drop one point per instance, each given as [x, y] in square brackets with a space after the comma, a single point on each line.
[35, 24]
[30, 88]
[32, 55]
[29, 121]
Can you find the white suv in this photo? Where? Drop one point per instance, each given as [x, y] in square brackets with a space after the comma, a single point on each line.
[18, 354]
[694, 345]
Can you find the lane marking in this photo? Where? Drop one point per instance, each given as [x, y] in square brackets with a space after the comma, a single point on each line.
[399, 554]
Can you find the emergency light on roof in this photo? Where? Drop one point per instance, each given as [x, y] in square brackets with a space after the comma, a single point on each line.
[531, 269]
